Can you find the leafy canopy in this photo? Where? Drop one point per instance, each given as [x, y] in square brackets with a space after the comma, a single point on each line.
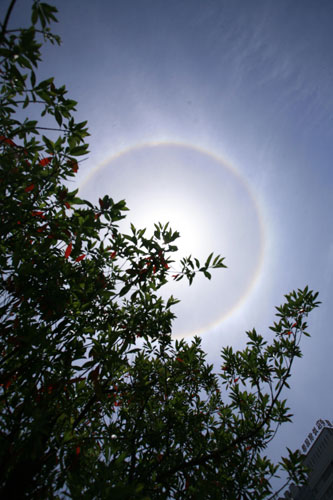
[96, 399]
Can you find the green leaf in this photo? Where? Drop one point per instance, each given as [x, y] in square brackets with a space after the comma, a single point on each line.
[58, 117]
[208, 260]
[79, 150]
[125, 290]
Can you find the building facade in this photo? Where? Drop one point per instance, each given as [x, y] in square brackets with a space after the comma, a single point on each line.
[317, 450]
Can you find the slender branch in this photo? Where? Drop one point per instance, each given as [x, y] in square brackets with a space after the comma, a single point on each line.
[36, 31]
[47, 128]
[279, 490]
[9, 11]
[30, 102]
[133, 455]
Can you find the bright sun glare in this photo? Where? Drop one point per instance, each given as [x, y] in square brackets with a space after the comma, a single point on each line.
[207, 203]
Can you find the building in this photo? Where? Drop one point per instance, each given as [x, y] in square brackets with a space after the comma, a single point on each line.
[317, 450]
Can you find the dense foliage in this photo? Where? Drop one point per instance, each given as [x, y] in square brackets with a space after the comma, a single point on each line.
[96, 399]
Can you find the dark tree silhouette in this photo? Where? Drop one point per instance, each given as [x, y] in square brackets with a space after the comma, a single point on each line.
[96, 399]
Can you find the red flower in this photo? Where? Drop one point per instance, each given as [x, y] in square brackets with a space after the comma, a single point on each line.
[41, 229]
[175, 276]
[78, 450]
[236, 379]
[75, 167]
[166, 265]
[180, 360]
[8, 383]
[36, 213]
[29, 188]
[67, 205]
[45, 161]
[78, 259]
[113, 255]
[7, 141]
[68, 251]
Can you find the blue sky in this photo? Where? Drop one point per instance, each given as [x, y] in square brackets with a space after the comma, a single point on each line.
[242, 90]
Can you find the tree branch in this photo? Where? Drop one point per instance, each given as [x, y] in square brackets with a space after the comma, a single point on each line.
[9, 11]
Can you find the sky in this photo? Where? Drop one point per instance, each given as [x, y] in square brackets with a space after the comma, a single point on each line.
[216, 115]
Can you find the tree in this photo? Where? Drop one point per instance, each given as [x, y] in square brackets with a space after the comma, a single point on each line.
[96, 399]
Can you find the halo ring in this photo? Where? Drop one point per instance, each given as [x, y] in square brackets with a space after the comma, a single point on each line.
[233, 170]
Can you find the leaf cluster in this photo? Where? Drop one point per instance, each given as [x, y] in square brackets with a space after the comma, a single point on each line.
[96, 399]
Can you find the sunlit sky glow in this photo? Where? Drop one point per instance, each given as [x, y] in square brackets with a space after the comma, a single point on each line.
[211, 207]
[232, 83]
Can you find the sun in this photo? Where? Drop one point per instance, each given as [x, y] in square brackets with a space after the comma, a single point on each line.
[207, 202]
